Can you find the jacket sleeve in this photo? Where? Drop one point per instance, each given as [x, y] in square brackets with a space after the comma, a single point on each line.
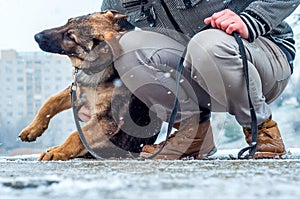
[264, 15]
[112, 5]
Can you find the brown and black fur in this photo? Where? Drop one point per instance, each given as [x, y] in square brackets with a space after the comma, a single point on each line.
[91, 42]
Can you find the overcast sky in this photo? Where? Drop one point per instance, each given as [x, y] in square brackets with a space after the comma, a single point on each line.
[21, 19]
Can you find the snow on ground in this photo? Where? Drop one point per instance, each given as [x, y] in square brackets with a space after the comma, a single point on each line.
[23, 177]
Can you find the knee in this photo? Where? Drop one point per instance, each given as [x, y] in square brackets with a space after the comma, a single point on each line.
[212, 43]
[135, 40]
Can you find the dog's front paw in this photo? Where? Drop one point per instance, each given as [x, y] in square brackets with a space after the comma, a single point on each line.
[31, 132]
[56, 153]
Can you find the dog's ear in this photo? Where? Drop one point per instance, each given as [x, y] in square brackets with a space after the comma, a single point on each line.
[114, 15]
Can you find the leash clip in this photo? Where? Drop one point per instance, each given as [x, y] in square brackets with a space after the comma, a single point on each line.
[73, 86]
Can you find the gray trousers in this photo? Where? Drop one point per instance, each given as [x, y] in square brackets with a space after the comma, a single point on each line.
[213, 74]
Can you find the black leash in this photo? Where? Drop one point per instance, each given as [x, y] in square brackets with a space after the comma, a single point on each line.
[175, 105]
[73, 90]
[254, 127]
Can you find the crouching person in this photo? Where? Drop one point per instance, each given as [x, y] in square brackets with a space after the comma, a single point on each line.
[213, 78]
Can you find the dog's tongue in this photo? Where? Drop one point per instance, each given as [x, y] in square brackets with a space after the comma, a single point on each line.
[84, 114]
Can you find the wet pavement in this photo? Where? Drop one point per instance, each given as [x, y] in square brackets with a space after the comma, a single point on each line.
[219, 177]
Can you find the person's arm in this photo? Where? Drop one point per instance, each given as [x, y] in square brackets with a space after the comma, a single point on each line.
[262, 16]
[257, 19]
[113, 5]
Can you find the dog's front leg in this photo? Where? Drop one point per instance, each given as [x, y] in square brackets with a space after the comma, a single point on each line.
[97, 134]
[73, 146]
[53, 106]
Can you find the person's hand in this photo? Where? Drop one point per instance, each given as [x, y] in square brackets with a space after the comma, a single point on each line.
[229, 22]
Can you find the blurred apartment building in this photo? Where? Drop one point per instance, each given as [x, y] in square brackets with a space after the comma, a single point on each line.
[27, 79]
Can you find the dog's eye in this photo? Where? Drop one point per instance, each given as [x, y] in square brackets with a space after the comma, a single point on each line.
[70, 36]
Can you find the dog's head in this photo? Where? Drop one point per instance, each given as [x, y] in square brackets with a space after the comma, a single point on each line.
[89, 41]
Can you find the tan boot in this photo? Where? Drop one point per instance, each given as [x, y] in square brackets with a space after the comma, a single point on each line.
[270, 144]
[191, 140]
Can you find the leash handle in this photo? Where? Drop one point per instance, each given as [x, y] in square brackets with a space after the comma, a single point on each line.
[254, 127]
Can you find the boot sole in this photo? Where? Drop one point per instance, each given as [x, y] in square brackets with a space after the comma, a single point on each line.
[162, 157]
[179, 157]
[268, 155]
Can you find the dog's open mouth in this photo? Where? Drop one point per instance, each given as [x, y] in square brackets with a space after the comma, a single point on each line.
[84, 114]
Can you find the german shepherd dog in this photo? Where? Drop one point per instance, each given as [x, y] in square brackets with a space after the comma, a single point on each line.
[109, 109]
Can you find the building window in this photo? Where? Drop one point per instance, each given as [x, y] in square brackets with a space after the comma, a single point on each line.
[8, 70]
[20, 88]
[20, 79]
[20, 70]
[29, 87]
[20, 62]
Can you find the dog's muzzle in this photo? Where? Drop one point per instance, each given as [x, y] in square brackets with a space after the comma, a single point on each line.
[48, 43]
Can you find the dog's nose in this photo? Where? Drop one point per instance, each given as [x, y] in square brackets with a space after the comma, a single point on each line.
[37, 37]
